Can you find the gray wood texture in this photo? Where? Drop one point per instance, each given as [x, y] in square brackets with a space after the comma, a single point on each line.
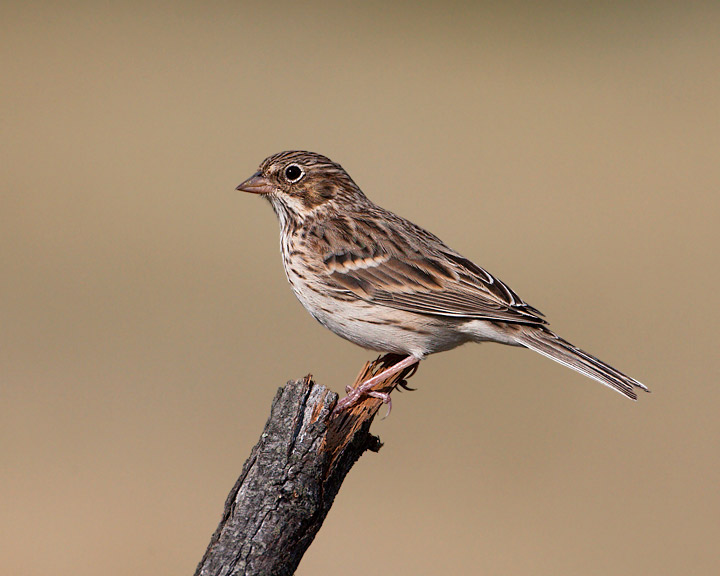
[292, 476]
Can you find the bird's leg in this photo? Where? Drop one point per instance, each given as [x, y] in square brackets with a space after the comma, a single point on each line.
[365, 389]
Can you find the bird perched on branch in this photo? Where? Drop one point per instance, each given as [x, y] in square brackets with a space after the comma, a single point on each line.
[388, 285]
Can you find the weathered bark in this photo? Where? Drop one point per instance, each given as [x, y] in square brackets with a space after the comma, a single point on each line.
[292, 476]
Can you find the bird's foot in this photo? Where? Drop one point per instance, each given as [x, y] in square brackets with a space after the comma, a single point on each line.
[355, 395]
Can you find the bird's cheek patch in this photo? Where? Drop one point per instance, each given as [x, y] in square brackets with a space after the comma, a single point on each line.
[311, 199]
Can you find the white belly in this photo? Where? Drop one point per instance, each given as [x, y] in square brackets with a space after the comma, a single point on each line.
[378, 327]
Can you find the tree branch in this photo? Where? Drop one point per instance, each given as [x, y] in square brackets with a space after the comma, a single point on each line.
[292, 476]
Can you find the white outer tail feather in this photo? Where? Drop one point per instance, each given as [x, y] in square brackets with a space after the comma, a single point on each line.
[550, 345]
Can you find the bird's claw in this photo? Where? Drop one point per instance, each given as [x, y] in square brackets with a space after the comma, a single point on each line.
[385, 397]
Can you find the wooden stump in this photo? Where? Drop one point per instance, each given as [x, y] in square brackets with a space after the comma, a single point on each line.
[292, 476]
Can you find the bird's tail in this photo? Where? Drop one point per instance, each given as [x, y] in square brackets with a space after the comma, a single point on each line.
[549, 344]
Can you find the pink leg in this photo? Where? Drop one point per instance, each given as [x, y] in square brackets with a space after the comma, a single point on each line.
[365, 389]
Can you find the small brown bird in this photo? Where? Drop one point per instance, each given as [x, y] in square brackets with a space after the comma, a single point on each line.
[388, 285]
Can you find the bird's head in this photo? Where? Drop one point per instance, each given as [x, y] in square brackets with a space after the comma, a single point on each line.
[299, 183]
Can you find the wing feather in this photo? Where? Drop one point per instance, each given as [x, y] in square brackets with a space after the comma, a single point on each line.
[413, 270]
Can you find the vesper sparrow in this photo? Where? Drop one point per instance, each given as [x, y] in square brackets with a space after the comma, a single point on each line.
[388, 285]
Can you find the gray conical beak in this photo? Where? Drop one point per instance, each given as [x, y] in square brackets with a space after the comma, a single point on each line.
[256, 184]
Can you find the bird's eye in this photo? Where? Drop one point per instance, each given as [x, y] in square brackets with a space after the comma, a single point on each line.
[294, 173]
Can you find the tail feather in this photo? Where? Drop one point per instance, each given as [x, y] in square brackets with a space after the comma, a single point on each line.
[549, 344]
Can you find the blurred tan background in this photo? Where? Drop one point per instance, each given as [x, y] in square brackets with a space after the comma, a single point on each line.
[145, 321]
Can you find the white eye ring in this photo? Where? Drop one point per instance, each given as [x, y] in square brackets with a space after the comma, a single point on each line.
[293, 173]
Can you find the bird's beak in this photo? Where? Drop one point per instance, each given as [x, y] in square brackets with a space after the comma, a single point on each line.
[256, 184]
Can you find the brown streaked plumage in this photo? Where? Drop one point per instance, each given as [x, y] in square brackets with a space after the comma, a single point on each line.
[386, 284]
